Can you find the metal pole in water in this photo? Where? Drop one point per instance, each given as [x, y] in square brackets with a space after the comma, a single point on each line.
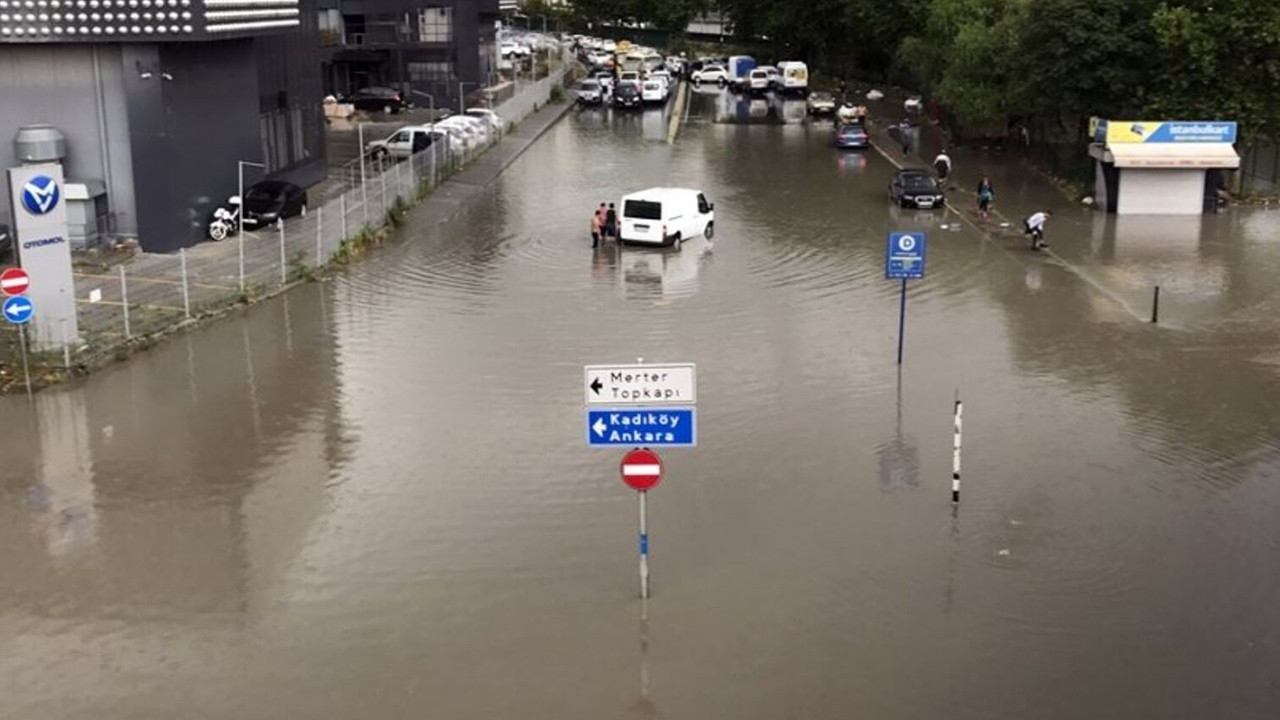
[955, 456]
[66, 346]
[644, 547]
[1155, 306]
[902, 319]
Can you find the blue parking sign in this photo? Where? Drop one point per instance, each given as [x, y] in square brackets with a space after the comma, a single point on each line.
[904, 256]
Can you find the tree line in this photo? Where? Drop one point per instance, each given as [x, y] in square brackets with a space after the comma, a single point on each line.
[1048, 64]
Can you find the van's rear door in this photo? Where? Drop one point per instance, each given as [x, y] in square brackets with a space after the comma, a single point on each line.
[641, 221]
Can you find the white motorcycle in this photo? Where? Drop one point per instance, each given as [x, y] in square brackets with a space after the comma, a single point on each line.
[226, 219]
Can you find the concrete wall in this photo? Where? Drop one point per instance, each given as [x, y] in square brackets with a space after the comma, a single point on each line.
[61, 85]
[1160, 192]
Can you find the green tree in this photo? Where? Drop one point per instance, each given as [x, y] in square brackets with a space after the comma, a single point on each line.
[1218, 60]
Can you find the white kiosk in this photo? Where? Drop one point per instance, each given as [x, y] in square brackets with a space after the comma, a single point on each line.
[1161, 168]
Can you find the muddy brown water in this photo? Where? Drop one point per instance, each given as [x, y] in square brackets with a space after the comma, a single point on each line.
[371, 497]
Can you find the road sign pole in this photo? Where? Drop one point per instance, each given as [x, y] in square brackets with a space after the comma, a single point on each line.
[902, 319]
[955, 455]
[22, 346]
[644, 546]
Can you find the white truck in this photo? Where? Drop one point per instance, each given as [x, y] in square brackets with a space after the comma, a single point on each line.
[665, 216]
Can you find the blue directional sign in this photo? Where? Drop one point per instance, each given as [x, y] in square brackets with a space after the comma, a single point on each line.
[643, 427]
[18, 310]
[904, 256]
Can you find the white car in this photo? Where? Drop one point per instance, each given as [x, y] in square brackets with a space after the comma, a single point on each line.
[758, 81]
[402, 143]
[480, 127]
[913, 104]
[609, 46]
[665, 216]
[664, 77]
[630, 76]
[468, 136]
[653, 91]
[495, 121]
[771, 72]
[711, 74]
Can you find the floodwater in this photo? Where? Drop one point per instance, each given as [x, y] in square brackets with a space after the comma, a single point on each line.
[371, 497]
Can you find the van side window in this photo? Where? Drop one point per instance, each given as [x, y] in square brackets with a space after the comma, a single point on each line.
[704, 207]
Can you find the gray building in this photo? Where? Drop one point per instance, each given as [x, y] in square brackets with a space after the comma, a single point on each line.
[420, 47]
[159, 99]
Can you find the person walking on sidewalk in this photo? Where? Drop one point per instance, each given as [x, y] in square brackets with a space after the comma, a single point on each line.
[904, 135]
[942, 166]
[1034, 226]
[985, 195]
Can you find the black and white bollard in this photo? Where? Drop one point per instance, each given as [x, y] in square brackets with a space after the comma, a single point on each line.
[955, 457]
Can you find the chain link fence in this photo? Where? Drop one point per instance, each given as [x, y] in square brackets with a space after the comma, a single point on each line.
[149, 294]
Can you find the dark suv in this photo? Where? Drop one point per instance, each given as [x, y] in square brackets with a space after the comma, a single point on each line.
[915, 188]
[377, 99]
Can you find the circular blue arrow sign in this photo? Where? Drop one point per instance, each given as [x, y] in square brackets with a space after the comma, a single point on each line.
[18, 310]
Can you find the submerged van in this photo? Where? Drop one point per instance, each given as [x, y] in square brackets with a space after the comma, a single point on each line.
[665, 216]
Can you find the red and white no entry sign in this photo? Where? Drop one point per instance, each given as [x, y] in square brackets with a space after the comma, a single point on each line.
[641, 470]
[14, 281]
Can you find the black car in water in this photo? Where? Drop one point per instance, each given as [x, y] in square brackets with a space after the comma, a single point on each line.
[915, 188]
[272, 200]
[627, 95]
[377, 99]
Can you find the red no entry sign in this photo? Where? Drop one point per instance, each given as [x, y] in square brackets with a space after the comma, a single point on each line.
[641, 470]
[14, 281]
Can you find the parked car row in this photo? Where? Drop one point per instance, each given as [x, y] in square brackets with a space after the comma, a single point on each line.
[458, 134]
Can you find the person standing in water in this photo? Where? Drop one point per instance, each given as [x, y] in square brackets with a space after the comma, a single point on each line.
[985, 195]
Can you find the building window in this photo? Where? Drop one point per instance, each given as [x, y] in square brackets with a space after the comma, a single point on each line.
[430, 72]
[435, 25]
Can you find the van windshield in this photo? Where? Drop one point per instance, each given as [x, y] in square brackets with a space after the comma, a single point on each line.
[642, 210]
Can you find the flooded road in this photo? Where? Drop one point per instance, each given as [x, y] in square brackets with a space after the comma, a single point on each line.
[371, 498]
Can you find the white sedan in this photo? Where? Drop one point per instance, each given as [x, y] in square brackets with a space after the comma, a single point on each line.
[711, 73]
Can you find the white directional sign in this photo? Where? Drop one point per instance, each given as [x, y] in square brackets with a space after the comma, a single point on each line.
[622, 385]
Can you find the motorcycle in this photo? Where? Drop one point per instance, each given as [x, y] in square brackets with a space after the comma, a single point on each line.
[226, 220]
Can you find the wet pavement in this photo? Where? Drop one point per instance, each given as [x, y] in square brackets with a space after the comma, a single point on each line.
[370, 497]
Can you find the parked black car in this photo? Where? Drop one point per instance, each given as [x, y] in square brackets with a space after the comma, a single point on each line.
[6, 241]
[627, 95]
[271, 200]
[914, 187]
[377, 99]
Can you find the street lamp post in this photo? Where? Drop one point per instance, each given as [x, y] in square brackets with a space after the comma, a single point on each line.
[240, 225]
[432, 100]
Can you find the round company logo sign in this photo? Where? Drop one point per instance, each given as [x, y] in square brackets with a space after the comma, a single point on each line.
[907, 243]
[40, 195]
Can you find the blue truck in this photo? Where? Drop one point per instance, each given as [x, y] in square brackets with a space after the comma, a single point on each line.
[740, 67]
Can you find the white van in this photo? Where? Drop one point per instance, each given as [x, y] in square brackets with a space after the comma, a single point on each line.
[665, 216]
[794, 77]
